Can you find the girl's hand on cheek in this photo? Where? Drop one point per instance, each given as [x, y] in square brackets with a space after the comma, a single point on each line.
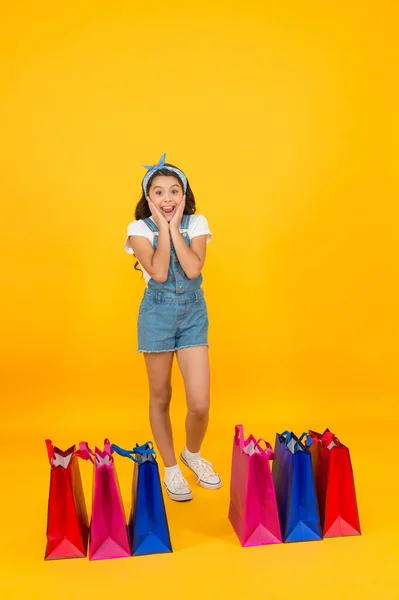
[157, 215]
[177, 217]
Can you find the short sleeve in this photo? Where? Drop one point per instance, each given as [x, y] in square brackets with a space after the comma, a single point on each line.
[199, 226]
[137, 228]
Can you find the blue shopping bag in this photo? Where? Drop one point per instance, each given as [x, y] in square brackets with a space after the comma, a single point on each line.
[148, 524]
[295, 488]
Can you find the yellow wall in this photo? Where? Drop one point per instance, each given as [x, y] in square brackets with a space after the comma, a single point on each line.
[283, 117]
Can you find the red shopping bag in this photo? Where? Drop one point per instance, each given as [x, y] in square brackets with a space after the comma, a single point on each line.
[67, 523]
[335, 485]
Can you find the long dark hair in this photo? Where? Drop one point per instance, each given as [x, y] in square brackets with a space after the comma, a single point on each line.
[143, 210]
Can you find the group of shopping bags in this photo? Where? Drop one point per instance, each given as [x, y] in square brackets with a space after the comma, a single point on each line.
[309, 493]
[69, 533]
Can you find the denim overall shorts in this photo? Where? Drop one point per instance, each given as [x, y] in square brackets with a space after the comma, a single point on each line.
[173, 314]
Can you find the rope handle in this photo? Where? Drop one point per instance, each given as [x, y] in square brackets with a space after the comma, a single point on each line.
[146, 449]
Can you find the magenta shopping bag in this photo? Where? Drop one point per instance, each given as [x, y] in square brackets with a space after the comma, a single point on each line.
[253, 509]
[108, 532]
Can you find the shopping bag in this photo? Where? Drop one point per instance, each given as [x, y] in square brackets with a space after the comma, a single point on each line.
[335, 485]
[253, 509]
[148, 524]
[67, 523]
[295, 488]
[108, 533]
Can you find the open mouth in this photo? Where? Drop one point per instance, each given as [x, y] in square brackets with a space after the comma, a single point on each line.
[168, 210]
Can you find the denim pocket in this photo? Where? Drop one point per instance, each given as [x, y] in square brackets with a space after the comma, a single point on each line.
[201, 304]
[146, 305]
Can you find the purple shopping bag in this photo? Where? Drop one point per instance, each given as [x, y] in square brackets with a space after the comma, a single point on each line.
[253, 508]
[108, 532]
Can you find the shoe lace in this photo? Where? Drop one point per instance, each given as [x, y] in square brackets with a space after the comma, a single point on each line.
[204, 469]
[177, 482]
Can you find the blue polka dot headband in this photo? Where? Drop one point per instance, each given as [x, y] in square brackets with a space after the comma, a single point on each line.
[161, 165]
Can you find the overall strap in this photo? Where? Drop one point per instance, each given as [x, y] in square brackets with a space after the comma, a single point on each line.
[151, 225]
[185, 222]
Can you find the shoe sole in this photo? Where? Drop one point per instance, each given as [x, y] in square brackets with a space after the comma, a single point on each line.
[208, 486]
[178, 497]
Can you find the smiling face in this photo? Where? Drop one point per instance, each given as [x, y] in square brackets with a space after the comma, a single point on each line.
[167, 194]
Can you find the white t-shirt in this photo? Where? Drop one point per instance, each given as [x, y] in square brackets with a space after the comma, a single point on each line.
[197, 225]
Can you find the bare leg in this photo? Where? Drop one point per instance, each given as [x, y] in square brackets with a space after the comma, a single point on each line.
[194, 367]
[159, 370]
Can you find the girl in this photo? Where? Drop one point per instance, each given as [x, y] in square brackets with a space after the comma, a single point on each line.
[169, 242]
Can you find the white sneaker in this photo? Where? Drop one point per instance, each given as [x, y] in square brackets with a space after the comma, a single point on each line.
[177, 488]
[207, 477]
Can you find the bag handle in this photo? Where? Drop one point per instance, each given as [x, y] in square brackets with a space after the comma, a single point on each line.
[85, 452]
[57, 457]
[147, 448]
[95, 457]
[325, 438]
[328, 437]
[144, 450]
[286, 435]
[122, 452]
[316, 437]
[268, 450]
[308, 439]
[50, 451]
[239, 436]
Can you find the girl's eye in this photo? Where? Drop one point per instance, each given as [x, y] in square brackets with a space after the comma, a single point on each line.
[175, 191]
[158, 192]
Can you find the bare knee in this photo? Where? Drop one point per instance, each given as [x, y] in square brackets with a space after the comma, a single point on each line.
[199, 408]
[160, 396]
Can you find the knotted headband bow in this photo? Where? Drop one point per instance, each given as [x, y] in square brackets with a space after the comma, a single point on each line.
[161, 165]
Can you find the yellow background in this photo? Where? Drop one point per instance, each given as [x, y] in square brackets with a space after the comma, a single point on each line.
[285, 119]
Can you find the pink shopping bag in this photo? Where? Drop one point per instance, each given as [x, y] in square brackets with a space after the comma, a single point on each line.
[253, 509]
[108, 532]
